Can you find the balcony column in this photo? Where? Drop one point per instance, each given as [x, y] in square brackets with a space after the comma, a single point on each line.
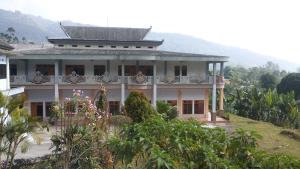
[214, 94]
[221, 99]
[123, 85]
[154, 94]
[44, 110]
[56, 92]
[7, 74]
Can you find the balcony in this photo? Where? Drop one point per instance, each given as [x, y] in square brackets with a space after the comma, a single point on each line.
[139, 79]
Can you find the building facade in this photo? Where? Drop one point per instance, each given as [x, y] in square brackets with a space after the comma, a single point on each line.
[4, 71]
[123, 61]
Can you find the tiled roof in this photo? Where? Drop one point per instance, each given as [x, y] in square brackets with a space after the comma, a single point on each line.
[105, 33]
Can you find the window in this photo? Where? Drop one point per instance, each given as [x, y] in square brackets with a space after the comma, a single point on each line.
[137, 47]
[87, 46]
[172, 103]
[13, 69]
[61, 45]
[125, 46]
[184, 70]
[130, 70]
[99, 70]
[79, 69]
[187, 106]
[2, 71]
[100, 46]
[177, 70]
[47, 70]
[146, 70]
[199, 107]
[114, 107]
[74, 46]
[180, 72]
[113, 46]
[150, 47]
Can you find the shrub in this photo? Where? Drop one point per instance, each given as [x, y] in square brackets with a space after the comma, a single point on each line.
[156, 143]
[289, 83]
[138, 107]
[268, 81]
[169, 112]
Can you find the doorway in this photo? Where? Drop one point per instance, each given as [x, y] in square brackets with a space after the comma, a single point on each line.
[37, 109]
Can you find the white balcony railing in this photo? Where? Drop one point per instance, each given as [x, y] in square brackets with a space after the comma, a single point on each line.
[131, 80]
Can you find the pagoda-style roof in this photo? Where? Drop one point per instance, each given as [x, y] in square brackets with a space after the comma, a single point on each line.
[105, 33]
[104, 42]
[5, 46]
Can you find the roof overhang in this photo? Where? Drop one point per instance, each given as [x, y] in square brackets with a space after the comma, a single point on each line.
[97, 54]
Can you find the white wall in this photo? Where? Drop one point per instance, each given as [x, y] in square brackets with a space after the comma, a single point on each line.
[3, 82]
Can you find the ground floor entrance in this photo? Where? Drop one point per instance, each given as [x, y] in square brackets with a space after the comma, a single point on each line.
[41, 110]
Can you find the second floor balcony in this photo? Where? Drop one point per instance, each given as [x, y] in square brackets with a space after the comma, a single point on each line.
[138, 79]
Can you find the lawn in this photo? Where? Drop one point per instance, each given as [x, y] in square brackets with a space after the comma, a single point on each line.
[272, 141]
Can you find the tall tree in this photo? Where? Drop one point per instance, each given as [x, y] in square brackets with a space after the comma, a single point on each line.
[268, 81]
[289, 83]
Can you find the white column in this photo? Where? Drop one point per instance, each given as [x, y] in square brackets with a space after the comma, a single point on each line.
[154, 94]
[214, 92]
[123, 85]
[44, 110]
[7, 74]
[193, 107]
[56, 92]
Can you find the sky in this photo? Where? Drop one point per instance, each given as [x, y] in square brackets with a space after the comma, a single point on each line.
[270, 27]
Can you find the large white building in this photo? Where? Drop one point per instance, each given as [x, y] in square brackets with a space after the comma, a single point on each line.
[4, 71]
[123, 61]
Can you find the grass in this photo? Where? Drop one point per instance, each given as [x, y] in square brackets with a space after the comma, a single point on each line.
[272, 141]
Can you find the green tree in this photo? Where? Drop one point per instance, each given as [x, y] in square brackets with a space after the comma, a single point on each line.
[268, 81]
[138, 108]
[169, 112]
[15, 125]
[290, 83]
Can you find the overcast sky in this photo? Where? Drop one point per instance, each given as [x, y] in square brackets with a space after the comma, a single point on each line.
[269, 27]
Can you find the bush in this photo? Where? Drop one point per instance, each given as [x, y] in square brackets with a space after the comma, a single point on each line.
[169, 112]
[290, 83]
[268, 81]
[156, 143]
[138, 108]
[269, 106]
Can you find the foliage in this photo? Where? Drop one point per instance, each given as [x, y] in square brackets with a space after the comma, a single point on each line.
[80, 144]
[268, 81]
[156, 143]
[15, 124]
[266, 105]
[289, 83]
[138, 107]
[10, 36]
[169, 112]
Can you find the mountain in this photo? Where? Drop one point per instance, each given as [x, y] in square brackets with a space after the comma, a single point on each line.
[36, 28]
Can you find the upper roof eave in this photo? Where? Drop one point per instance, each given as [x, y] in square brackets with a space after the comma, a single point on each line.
[138, 54]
